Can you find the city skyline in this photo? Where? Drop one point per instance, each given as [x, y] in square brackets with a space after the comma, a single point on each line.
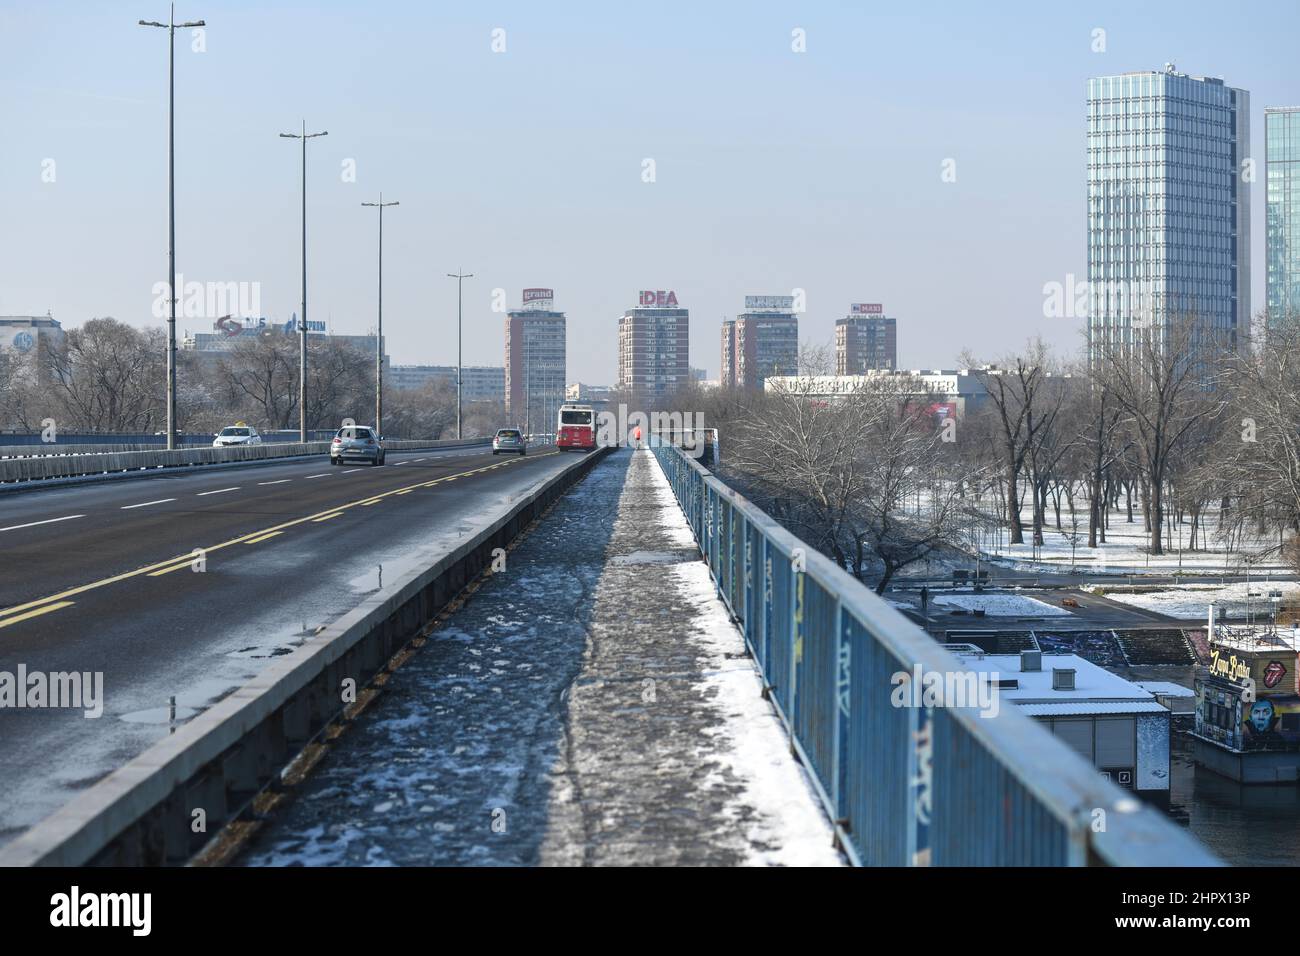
[851, 218]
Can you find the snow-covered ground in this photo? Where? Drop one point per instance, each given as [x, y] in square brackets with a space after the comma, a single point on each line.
[1192, 601]
[1001, 605]
[1125, 550]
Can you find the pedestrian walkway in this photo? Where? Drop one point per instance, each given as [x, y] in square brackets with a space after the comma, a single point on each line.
[590, 705]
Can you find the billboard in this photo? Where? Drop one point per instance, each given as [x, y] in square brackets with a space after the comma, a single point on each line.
[784, 302]
[866, 308]
[539, 298]
[312, 325]
[658, 299]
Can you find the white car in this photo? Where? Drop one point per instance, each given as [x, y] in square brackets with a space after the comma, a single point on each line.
[238, 434]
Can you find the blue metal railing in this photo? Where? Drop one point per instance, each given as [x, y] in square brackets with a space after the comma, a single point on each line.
[941, 786]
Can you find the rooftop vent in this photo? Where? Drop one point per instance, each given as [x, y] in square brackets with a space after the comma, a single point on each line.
[1031, 661]
[1062, 678]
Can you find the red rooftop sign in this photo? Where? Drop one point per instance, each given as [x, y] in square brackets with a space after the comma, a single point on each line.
[659, 299]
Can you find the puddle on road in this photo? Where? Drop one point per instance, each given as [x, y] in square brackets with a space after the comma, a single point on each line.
[189, 702]
[160, 715]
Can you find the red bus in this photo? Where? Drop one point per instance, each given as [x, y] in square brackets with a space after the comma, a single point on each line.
[576, 428]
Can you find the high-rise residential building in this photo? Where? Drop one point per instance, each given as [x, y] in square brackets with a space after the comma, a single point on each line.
[653, 348]
[478, 383]
[535, 362]
[1282, 210]
[760, 342]
[1168, 206]
[865, 339]
[728, 377]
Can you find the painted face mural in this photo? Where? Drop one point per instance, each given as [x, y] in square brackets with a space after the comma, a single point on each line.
[1261, 715]
[1273, 673]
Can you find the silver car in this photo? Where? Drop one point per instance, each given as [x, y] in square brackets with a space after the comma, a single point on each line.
[509, 440]
[357, 443]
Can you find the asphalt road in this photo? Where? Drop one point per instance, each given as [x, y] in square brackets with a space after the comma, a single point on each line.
[99, 578]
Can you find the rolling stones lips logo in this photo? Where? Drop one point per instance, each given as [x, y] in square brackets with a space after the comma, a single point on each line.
[1273, 673]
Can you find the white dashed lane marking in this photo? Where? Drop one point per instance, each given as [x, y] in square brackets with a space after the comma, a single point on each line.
[33, 524]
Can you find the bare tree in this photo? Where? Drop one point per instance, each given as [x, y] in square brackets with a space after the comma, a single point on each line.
[108, 376]
[1014, 388]
[1100, 437]
[1163, 377]
[844, 474]
[1258, 456]
[260, 376]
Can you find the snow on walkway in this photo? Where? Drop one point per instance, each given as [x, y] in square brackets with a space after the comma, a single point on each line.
[590, 705]
[673, 756]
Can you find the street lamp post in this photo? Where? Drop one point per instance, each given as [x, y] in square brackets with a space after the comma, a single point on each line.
[379, 331]
[302, 317]
[171, 26]
[459, 277]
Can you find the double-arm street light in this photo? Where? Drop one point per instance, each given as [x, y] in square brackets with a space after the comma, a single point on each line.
[302, 317]
[459, 277]
[379, 331]
[171, 26]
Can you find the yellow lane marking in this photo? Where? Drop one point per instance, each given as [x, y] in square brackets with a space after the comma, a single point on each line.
[170, 564]
[262, 537]
[337, 514]
[372, 501]
[175, 567]
[36, 613]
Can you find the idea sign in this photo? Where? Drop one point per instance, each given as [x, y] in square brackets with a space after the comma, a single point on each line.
[659, 299]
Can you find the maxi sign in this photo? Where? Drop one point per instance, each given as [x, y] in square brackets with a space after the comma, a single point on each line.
[866, 308]
[659, 299]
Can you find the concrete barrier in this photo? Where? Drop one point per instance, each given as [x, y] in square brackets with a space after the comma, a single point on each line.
[71, 465]
[142, 814]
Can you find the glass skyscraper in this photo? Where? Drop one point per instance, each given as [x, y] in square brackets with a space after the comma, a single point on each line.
[1282, 218]
[1168, 205]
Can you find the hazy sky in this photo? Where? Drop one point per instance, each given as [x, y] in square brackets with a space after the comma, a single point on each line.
[774, 169]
